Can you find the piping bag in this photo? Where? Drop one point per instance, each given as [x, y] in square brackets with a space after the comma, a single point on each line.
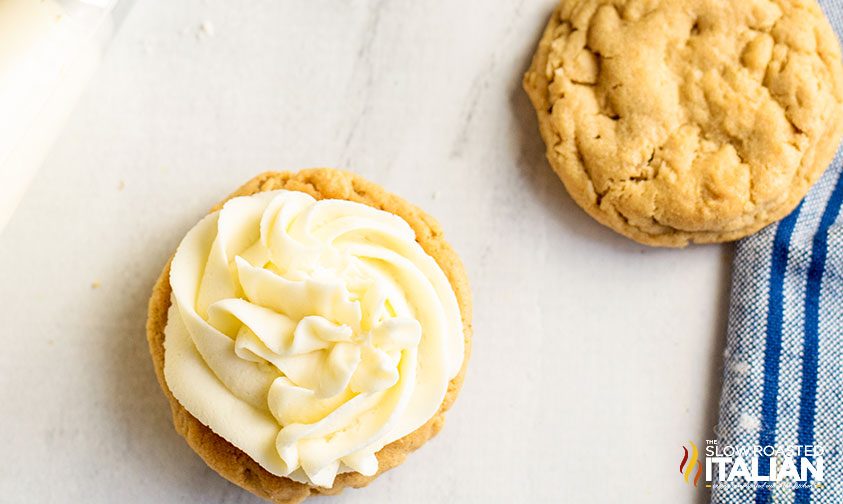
[50, 50]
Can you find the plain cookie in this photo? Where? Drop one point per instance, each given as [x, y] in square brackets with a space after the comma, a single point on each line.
[677, 121]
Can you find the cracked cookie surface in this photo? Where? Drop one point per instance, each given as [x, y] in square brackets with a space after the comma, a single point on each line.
[678, 121]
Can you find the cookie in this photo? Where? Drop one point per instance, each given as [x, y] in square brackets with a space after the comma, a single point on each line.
[233, 463]
[688, 121]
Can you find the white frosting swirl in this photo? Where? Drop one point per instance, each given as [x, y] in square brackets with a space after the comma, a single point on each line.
[309, 334]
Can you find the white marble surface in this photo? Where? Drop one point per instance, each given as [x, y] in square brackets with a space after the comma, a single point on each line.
[595, 358]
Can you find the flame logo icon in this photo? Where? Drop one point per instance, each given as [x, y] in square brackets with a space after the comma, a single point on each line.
[686, 467]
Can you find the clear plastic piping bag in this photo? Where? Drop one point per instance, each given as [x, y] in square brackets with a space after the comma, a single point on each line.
[49, 50]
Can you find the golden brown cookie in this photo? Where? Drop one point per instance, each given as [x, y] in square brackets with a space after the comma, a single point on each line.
[232, 463]
[677, 121]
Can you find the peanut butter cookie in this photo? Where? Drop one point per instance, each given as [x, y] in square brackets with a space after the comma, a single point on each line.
[220, 453]
[679, 121]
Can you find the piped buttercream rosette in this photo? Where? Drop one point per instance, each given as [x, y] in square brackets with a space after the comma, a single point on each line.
[309, 334]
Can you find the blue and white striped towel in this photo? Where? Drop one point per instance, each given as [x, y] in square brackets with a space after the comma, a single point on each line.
[783, 382]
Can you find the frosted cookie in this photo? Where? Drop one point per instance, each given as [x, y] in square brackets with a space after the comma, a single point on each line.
[289, 330]
[677, 121]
